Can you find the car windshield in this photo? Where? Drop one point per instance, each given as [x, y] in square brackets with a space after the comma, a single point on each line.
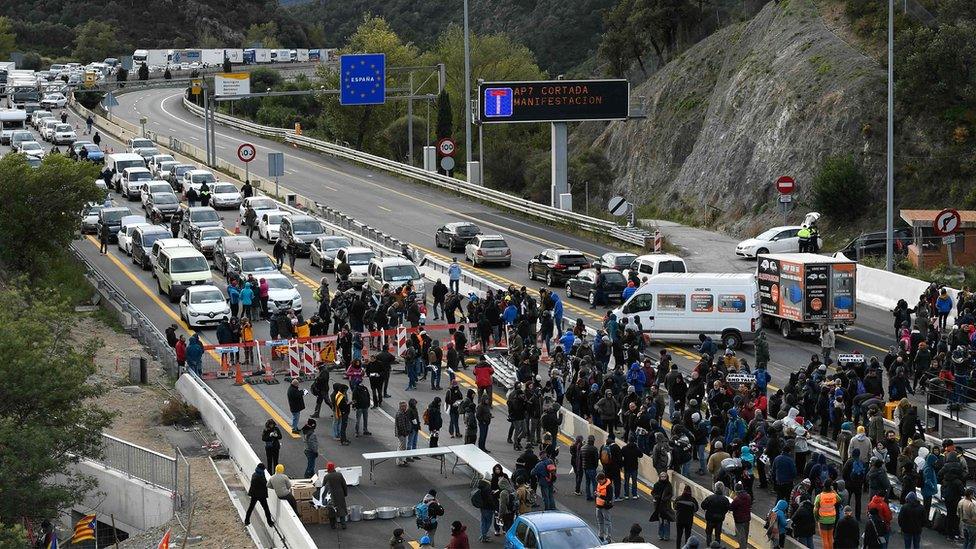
[276, 283]
[22, 136]
[360, 259]
[182, 169]
[165, 198]
[140, 176]
[212, 233]
[62, 128]
[614, 277]
[275, 219]
[399, 273]
[163, 158]
[309, 226]
[168, 165]
[202, 178]
[496, 243]
[31, 146]
[91, 210]
[768, 234]
[114, 216]
[189, 264]
[123, 164]
[224, 188]
[334, 243]
[136, 143]
[258, 265]
[33, 161]
[572, 260]
[263, 204]
[148, 239]
[204, 216]
[91, 147]
[623, 260]
[568, 538]
[467, 230]
[205, 297]
[238, 244]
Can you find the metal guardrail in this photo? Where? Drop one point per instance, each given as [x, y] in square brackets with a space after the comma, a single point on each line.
[140, 463]
[633, 235]
[515, 203]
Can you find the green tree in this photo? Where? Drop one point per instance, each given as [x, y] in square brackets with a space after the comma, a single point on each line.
[32, 61]
[47, 422]
[445, 119]
[265, 34]
[934, 69]
[7, 38]
[143, 72]
[51, 196]
[590, 178]
[840, 189]
[95, 40]
[263, 78]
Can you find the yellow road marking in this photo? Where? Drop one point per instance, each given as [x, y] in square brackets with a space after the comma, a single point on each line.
[169, 312]
[860, 342]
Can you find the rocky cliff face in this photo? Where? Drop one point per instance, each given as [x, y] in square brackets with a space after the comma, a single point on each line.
[772, 96]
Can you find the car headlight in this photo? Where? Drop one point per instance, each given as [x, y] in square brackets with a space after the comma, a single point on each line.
[226, 310]
[194, 314]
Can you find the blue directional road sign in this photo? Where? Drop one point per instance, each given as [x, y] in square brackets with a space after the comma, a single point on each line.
[362, 79]
[498, 102]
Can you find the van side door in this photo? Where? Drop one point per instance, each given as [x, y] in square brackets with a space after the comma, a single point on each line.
[639, 309]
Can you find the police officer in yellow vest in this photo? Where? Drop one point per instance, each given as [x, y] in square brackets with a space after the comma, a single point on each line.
[814, 245]
[804, 235]
[604, 501]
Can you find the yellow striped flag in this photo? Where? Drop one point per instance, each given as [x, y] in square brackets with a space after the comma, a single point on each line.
[84, 529]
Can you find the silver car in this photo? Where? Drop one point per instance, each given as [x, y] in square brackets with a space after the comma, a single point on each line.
[488, 248]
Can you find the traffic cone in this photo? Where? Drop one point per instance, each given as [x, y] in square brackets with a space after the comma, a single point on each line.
[238, 376]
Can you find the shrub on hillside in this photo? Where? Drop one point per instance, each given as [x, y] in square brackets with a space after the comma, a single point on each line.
[840, 189]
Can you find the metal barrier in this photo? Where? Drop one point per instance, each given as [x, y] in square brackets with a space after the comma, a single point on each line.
[140, 463]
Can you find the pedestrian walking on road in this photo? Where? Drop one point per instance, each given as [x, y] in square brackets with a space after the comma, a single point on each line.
[459, 536]
[103, 237]
[258, 492]
[482, 499]
[272, 443]
[339, 490]
[194, 355]
[715, 506]
[97, 139]
[741, 508]
[311, 446]
[604, 502]
[454, 276]
[426, 513]
[89, 122]
[483, 415]
[685, 507]
[281, 485]
[360, 403]
[250, 220]
[663, 494]
[296, 403]
[825, 509]
[278, 252]
[402, 429]
[468, 409]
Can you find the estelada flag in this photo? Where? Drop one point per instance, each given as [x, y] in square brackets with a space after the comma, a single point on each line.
[84, 529]
[164, 543]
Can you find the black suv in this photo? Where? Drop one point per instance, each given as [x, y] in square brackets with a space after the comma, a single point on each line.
[557, 266]
[297, 232]
[874, 243]
[113, 218]
[455, 236]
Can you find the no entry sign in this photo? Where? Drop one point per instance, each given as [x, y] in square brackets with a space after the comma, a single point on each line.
[785, 184]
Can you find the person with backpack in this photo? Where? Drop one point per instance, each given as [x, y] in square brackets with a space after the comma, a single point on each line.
[855, 473]
[434, 420]
[360, 402]
[604, 502]
[804, 523]
[847, 533]
[716, 507]
[482, 500]
[611, 460]
[825, 509]
[426, 513]
[507, 504]
[776, 523]
[685, 507]
[875, 532]
[320, 389]
[545, 474]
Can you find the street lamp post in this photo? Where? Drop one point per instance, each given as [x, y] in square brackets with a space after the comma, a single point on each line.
[467, 88]
[890, 210]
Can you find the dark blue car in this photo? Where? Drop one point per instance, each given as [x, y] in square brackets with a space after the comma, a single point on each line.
[550, 530]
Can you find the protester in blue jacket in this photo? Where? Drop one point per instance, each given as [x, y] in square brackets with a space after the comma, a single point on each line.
[637, 378]
[194, 354]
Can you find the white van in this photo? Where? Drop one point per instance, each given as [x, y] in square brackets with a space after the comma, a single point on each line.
[164, 244]
[120, 161]
[679, 306]
[395, 271]
[654, 264]
[179, 268]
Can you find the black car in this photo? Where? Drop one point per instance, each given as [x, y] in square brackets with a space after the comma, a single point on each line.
[455, 236]
[162, 204]
[143, 239]
[874, 243]
[323, 251]
[297, 232]
[557, 266]
[230, 244]
[583, 285]
[113, 218]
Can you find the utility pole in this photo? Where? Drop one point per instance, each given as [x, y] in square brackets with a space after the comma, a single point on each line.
[467, 88]
[890, 210]
[410, 120]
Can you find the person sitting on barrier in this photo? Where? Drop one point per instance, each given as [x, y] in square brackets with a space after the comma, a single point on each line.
[281, 485]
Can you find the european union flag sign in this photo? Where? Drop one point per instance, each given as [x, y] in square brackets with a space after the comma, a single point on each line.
[498, 102]
[362, 79]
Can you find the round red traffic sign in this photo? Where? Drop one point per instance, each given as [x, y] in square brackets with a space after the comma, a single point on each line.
[446, 146]
[246, 152]
[946, 222]
[785, 184]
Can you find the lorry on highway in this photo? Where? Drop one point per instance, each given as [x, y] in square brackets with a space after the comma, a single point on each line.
[800, 293]
[235, 55]
[152, 58]
[254, 56]
[281, 56]
[211, 57]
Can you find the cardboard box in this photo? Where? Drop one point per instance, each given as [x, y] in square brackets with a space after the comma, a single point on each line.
[302, 491]
[307, 513]
[324, 514]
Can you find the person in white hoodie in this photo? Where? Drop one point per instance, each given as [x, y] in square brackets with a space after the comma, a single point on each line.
[862, 443]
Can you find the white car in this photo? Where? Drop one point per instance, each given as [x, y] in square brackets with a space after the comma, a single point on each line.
[203, 305]
[146, 153]
[260, 204]
[282, 293]
[777, 240]
[47, 131]
[193, 179]
[32, 148]
[64, 134]
[54, 100]
[268, 224]
[132, 180]
[225, 195]
[149, 187]
[158, 159]
[165, 169]
[89, 218]
[138, 143]
[38, 115]
[129, 225]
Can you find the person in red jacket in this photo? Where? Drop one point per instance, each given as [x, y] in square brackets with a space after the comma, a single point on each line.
[180, 349]
[459, 536]
[483, 378]
[884, 511]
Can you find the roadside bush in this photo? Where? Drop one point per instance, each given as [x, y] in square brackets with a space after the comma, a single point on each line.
[840, 189]
[176, 412]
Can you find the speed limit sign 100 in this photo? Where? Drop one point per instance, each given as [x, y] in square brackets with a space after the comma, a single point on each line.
[246, 152]
[446, 147]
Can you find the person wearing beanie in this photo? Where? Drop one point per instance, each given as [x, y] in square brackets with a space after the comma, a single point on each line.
[635, 535]
[258, 492]
[336, 485]
[847, 532]
[741, 508]
[281, 485]
[397, 541]
[459, 536]
[425, 542]
[716, 507]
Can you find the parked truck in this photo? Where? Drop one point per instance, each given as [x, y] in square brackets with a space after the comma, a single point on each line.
[281, 56]
[212, 57]
[235, 55]
[257, 55]
[800, 293]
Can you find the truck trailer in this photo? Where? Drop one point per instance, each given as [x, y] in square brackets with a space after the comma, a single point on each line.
[800, 293]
